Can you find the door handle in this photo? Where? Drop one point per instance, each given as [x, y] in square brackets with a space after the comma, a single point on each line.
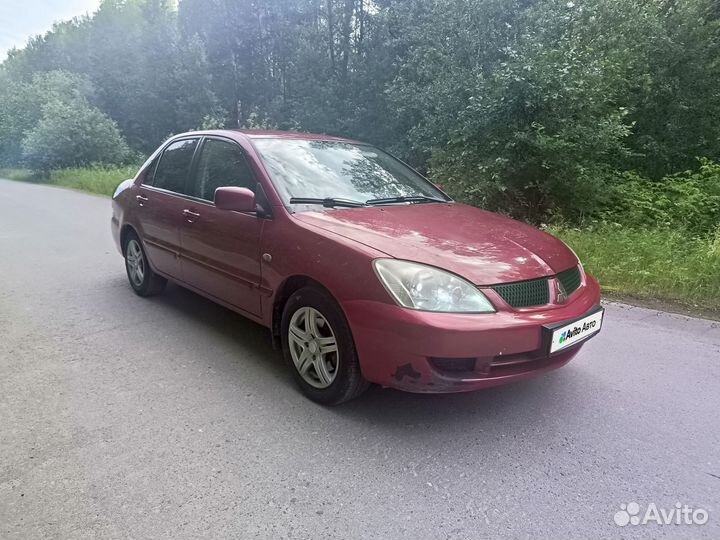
[190, 216]
[141, 200]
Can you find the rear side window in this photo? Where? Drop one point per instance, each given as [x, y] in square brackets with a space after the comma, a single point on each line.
[172, 171]
[221, 164]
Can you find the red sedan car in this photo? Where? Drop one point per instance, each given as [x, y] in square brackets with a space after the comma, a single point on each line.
[364, 271]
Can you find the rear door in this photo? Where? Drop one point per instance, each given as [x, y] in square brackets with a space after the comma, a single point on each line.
[221, 248]
[160, 206]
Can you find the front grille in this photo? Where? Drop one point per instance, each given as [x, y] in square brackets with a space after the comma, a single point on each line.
[570, 279]
[522, 294]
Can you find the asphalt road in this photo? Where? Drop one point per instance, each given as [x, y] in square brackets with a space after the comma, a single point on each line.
[174, 418]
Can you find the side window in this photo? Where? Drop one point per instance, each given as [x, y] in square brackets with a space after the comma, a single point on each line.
[221, 164]
[172, 171]
[149, 172]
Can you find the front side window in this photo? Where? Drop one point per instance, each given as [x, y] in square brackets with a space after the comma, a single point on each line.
[221, 164]
[148, 170]
[172, 171]
[323, 169]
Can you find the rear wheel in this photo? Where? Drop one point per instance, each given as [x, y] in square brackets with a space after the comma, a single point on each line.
[318, 345]
[142, 279]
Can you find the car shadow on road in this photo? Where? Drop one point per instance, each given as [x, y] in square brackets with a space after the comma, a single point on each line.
[394, 409]
[252, 340]
[382, 407]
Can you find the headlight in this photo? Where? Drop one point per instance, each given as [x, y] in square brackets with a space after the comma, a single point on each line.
[426, 288]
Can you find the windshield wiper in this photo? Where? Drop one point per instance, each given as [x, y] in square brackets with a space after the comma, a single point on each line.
[327, 202]
[405, 199]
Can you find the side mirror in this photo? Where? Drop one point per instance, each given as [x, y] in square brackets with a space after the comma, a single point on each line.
[237, 199]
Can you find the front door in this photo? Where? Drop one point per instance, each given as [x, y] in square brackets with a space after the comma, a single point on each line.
[160, 207]
[221, 248]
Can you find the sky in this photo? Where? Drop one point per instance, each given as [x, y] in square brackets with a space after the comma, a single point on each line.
[22, 19]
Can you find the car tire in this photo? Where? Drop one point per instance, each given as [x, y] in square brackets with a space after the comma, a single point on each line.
[319, 347]
[142, 279]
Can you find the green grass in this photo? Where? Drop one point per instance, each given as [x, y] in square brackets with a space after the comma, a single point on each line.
[22, 175]
[653, 265]
[100, 180]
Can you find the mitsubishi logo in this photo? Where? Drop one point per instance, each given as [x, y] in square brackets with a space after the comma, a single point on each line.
[561, 296]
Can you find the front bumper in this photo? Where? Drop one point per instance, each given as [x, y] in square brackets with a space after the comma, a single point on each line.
[449, 352]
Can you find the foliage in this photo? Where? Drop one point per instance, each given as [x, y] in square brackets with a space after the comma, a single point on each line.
[100, 180]
[21, 106]
[542, 109]
[146, 77]
[49, 122]
[688, 201]
[22, 175]
[72, 134]
[653, 264]
[527, 106]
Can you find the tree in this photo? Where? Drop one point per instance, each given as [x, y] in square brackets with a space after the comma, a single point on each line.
[530, 107]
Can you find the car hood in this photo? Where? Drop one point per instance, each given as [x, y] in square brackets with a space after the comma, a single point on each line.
[483, 247]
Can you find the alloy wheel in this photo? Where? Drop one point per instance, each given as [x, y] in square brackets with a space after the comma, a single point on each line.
[135, 262]
[313, 347]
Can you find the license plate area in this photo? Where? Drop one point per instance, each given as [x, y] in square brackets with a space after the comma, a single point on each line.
[566, 334]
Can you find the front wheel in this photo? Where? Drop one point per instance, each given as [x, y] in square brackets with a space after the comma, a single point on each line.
[142, 279]
[318, 345]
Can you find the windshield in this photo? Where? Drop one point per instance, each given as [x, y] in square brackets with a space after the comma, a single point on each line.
[328, 169]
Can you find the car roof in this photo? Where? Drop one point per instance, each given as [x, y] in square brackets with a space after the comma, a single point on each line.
[276, 134]
[271, 134]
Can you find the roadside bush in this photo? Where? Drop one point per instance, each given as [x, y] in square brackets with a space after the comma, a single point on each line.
[688, 200]
[73, 134]
[572, 193]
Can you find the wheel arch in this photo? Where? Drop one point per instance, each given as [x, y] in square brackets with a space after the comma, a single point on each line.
[124, 233]
[284, 292]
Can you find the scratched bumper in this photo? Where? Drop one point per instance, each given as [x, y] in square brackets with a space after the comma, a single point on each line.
[447, 352]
